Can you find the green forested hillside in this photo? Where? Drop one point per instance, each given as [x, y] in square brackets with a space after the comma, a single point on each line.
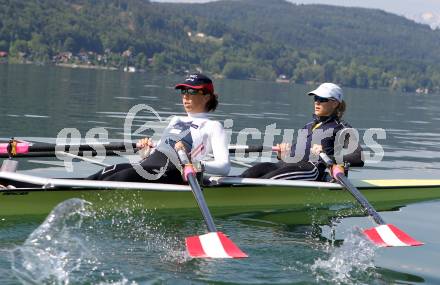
[332, 31]
[260, 39]
[354, 46]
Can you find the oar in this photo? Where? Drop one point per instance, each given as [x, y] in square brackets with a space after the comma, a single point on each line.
[14, 148]
[384, 235]
[214, 244]
[27, 149]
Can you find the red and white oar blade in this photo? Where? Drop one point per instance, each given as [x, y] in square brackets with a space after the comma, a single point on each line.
[389, 235]
[213, 245]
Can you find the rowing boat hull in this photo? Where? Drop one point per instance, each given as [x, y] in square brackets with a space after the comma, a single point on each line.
[222, 200]
[225, 195]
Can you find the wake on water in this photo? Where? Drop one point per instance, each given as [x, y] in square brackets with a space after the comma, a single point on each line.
[81, 245]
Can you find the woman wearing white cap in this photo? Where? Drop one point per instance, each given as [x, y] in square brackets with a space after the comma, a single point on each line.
[329, 107]
[196, 133]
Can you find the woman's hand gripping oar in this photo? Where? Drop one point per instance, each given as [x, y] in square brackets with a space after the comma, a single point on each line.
[10, 165]
[213, 244]
[383, 235]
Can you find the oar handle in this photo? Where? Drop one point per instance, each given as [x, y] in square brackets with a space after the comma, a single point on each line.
[190, 176]
[339, 175]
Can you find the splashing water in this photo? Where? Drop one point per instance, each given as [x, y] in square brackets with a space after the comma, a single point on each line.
[135, 228]
[53, 250]
[76, 244]
[348, 264]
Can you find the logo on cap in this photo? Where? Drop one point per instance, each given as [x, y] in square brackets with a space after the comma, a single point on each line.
[197, 81]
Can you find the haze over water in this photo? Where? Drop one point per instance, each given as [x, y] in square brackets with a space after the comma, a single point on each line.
[145, 248]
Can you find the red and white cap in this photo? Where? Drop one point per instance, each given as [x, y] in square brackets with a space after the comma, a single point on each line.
[197, 81]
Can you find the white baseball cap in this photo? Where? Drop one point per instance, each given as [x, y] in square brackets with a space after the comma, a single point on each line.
[328, 90]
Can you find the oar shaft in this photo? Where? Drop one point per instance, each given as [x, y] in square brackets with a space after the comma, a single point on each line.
[343, 180]
[81, 147]
[53, 154]
[251, 148]
[360, 198]
[24, 149]
[197, 191]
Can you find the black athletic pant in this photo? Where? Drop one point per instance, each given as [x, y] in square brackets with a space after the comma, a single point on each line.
[302, 170]
[152, 164]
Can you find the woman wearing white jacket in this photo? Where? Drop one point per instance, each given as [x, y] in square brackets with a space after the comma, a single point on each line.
[199, 135]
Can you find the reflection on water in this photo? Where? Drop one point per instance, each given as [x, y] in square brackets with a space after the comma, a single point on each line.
[138, 248]
[40, 101]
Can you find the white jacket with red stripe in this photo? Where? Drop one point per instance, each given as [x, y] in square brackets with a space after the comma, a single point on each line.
[201, 137]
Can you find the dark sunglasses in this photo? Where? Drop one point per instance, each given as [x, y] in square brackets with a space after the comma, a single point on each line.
[191, 92]
[321, 99]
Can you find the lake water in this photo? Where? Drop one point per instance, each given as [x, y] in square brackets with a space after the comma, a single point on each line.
[91, 246]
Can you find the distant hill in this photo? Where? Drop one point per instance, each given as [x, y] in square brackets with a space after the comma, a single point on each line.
[262, 39]
[334, 32]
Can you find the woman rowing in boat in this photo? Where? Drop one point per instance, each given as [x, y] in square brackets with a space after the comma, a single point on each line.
[329, 109]
[196, 133]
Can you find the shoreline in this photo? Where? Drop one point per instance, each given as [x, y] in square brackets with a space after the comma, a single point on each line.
[85, 66]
